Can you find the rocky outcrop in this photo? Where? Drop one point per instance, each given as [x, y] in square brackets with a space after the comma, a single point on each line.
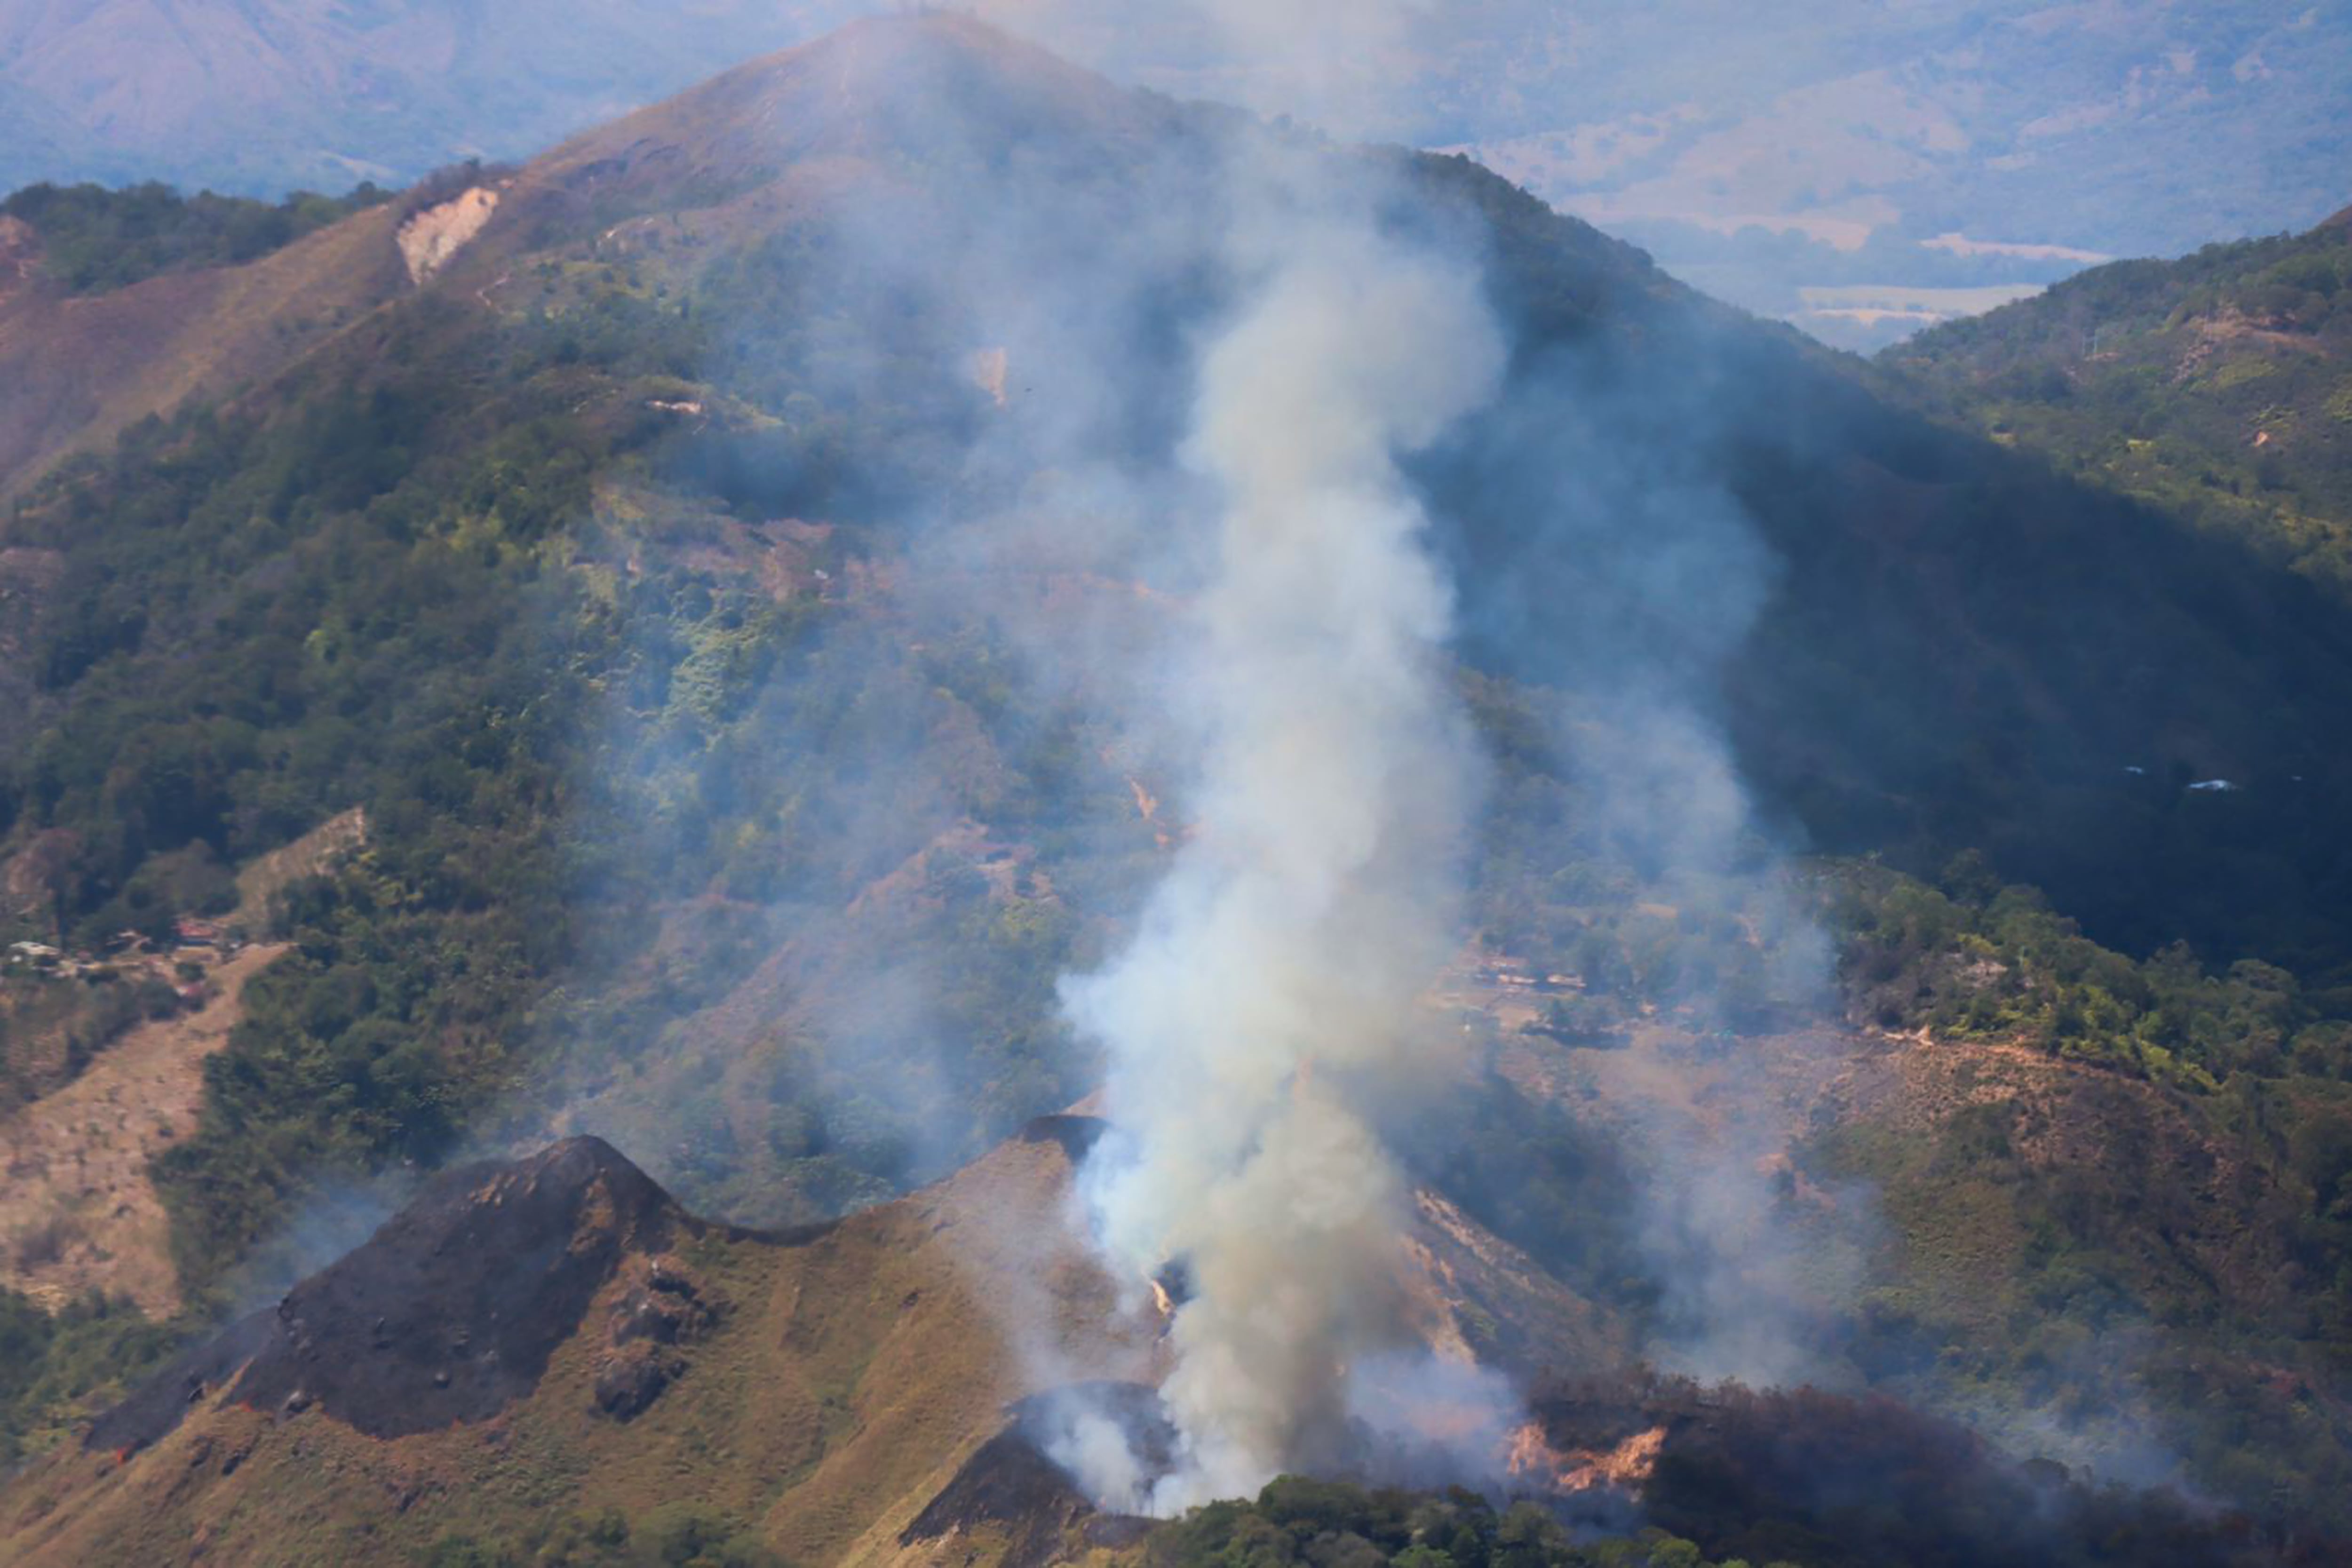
[429, 238]
[661, 1307]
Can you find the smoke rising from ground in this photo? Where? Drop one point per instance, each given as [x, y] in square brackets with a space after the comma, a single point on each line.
[1280, 960]
[1224, 372]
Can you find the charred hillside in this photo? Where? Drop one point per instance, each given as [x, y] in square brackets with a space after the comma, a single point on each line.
[557, 1321]
[449, 1314]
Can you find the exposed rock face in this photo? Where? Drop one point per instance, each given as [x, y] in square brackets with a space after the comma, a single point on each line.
[631, 1380]
[449, 1312]
[430, 238]
[662, 1306]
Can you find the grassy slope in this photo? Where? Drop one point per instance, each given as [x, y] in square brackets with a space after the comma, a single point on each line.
[73, 373]
[848, 1377]
[80, 1213]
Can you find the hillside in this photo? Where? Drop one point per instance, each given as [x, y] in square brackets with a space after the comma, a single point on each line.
[2218, 386]
[1839, 158]
[815, 1390]
[79, 370]
[721, 576]
[874, 1390]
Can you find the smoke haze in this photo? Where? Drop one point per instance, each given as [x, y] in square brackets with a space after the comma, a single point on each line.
[1281, 958]
[1227, 414]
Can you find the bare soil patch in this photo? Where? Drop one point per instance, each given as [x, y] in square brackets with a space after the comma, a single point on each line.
[76, 1209]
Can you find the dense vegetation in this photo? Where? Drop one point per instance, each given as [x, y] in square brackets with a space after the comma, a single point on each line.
[678, 1536]
[439, 615]
[94, 238]
[51, 1362]
[380, 662]
[1988, 962]
[1947, 645]
[2218, 386]
[1727, 1497]
[1301, 1520]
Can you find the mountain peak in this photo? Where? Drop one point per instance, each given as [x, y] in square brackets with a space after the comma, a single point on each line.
[411, 1331]
[910, 86]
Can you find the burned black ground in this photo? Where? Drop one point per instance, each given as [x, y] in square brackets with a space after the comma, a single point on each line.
[1831, 1479]
[447, 1314]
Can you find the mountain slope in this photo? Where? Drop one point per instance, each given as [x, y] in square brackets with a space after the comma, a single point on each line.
[2219, 384]
[548, 1355]
[1857, 168]
[660, 572]
[1893, 531]
[553, 1336]
[78, 371]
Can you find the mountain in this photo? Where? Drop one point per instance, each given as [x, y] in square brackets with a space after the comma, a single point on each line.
[1890, 526]
[553, 1336]
[548, 1356]
[697, 568]
[1861, 170]
[2218, 386]
[824, 1384]
[1865, 171]
[79, 370]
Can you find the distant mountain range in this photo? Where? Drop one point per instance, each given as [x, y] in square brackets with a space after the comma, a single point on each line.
[1862, 169]
[1869, 168]
[261, 96]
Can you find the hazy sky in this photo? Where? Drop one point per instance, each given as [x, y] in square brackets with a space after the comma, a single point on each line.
[1824, 160]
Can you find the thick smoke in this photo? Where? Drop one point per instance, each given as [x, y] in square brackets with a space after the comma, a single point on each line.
[1276, 969]
[1294, 683]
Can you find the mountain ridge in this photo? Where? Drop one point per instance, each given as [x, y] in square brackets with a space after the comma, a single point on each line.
[507, 1308]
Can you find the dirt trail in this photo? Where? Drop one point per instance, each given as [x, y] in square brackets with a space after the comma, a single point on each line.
[76, 1209]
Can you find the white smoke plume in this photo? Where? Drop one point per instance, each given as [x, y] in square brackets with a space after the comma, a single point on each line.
[1277, 968]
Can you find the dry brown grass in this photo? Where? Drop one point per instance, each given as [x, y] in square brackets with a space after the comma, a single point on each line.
[74, 372]
[261, 885]
[849, 1374]
[77, 1212]
[848, 1377]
